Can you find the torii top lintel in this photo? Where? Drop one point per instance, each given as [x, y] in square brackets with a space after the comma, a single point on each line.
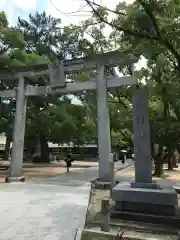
[111, 59]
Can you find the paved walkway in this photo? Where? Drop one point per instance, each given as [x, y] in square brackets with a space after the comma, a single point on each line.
[47, 209]
[79, 177]
[4, 163]
[42, 212]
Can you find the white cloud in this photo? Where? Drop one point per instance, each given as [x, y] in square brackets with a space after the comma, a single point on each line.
[3, 4]
[18, 3]
[56, 8]
[23, 4]
[15, 8]
[71, 11]
[74, 11]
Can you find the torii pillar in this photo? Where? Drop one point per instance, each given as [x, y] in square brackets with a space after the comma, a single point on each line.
[103, 123]
[15, 172]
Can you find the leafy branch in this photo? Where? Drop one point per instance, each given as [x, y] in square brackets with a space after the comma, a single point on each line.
[158, 37]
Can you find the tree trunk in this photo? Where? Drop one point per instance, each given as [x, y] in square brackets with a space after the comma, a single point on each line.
[44, 149]
[158, 163]
[178, 149]
[158, 166]
[174, 161]
[170, 166]
[7, 147]
[152, 150]
[41, 154]
[30, 146]
[36, 157]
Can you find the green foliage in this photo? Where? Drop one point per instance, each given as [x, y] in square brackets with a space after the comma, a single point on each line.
[151, 29]
[38, 40]
[148, 29]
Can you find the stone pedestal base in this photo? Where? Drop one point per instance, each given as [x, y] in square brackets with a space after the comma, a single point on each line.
[152, 185]
[15, 179]
[177, 188]
[103, 185]
[144, 200]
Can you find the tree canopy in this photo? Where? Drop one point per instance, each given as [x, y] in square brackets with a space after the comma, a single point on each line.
[150, 29]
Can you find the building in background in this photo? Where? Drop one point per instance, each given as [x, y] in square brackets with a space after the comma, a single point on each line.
[86, 151]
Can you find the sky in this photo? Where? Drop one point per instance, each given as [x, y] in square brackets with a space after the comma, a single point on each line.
[57, 8]
[69, 11]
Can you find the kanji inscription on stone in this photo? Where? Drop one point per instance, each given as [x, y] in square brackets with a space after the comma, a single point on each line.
[57, 76]
[141, 136]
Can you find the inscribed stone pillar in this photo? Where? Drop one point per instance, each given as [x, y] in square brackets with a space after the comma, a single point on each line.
[104, 140]
[57, 76]
[141, 139]
[18, 135]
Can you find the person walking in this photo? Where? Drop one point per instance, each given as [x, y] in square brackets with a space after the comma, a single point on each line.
[68, 161]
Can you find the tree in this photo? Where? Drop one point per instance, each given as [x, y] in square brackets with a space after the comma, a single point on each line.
[42, 34]
[151, 29]
[11, 54]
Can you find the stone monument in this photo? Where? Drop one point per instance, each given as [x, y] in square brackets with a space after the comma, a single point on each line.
[143, 195]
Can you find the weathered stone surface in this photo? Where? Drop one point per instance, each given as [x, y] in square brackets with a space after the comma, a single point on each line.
[157, 201]
[141, 136]
[124, 192]
[143, 195]
[103, 127]
[15, 170]
[152, 185]
[37, 211]
[51, 208]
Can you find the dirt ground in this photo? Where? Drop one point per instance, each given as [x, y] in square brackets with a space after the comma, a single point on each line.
[173, 175]
[36, 171]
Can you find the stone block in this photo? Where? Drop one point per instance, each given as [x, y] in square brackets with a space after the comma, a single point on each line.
[14, 179]
[152, 185]
[103, 185]
[124, 192]
[145, 200]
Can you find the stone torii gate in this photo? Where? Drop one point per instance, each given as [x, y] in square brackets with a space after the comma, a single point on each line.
[58, 86]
